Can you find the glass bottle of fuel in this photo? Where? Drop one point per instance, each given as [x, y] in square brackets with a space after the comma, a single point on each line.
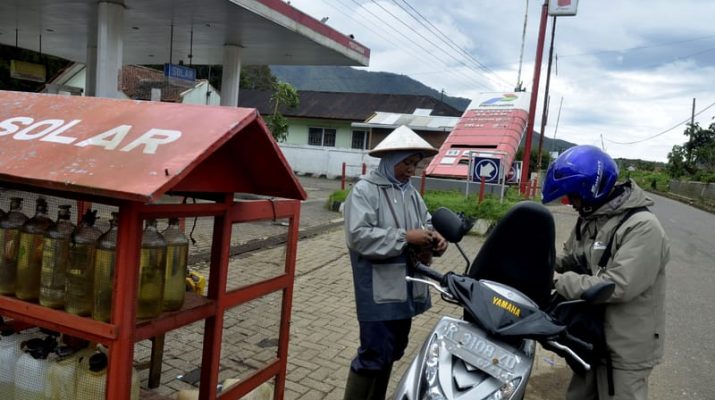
[152, 270]
[177, 251]
[10, 226]
[29, 254]
[80, 269]
[55, 256]
[104, 264]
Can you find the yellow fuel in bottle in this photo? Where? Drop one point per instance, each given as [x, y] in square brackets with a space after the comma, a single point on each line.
[152, 270]
[80, 270]
[29, 255]
[104, 264]
[177, 252]
[10, 226]
[55, 256]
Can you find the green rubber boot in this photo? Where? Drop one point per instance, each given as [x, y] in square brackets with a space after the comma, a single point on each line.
[367, 387]
[381, 382]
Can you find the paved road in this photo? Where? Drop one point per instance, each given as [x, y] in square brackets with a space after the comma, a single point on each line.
[687, 371]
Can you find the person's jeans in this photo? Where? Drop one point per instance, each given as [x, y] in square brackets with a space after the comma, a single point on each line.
[381, 344]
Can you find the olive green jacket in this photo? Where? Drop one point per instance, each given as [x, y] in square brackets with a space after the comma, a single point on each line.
[635, 314]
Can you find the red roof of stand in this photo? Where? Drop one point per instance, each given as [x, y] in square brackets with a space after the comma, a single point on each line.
[138, 150]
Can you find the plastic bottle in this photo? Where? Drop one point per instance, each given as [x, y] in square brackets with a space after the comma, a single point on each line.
[9, 243]
[31, 369]
[62, 374]
[152, 270]
[104, 263]
[92, 379]
[177, 252]
[80, 270]
[10, 351]
[29, 254]
[55, 257]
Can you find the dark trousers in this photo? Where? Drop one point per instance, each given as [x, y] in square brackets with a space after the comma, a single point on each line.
[381, 344]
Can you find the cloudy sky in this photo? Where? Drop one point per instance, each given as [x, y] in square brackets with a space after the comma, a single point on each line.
[627, 71]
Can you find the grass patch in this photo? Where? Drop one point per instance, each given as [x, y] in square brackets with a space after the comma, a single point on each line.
[651, 180]
[490, 208]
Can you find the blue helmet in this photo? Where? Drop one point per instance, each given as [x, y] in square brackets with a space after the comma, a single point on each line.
[585, 170]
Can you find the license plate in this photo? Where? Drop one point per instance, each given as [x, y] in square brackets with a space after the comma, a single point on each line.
[480, 352]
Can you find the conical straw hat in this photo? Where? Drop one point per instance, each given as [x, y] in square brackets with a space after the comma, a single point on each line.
[403, 138]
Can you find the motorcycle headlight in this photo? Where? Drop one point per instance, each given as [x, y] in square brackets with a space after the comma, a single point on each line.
[431, 389]
[506, 390]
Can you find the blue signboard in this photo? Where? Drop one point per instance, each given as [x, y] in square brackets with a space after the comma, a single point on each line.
[181, 72]
[487, 168]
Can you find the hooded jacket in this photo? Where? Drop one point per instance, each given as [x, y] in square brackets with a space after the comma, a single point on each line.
[634, 315]
[377, 217]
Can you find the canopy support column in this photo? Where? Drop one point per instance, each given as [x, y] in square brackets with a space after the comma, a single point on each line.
[231, 75]
[110, 24]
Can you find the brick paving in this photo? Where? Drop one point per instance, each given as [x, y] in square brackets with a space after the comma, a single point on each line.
[324, 334]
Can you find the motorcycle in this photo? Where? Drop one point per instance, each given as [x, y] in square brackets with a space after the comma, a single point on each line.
[508, 306]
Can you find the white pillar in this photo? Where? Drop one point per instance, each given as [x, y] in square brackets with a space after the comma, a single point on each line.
[90, 71]
[110, 24]
[231, 75]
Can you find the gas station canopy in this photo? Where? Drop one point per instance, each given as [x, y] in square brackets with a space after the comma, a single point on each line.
[266, 31]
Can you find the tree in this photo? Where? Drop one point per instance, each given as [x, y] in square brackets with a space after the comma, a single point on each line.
[700, 148]
[697, 155]
[545, 159]
[257, 77]
[284, 95]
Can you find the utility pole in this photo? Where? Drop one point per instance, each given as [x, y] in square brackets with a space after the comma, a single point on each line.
[534, 95]
[688, 148]
[547, 98]
[519, 86]
[558, 117]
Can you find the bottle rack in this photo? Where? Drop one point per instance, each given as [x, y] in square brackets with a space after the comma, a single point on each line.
[123, 331]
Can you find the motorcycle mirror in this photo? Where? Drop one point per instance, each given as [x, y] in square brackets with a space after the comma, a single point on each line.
[450, 225]
[599, 293]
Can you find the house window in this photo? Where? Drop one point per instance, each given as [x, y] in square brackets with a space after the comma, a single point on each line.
[321, 137]
[359, 140]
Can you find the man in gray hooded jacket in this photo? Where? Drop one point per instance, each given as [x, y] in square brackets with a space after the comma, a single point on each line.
[615, 220]
[385, 218]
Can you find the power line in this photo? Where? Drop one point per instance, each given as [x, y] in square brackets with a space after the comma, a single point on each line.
[425, 50]
[422, 36]
[358, 20]
[665, 131]
[376, 30]
[446, 39]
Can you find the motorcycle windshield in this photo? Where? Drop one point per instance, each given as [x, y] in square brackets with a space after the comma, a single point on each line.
[501, 314]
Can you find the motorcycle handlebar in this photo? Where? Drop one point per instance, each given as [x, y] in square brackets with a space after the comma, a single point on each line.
[567, 352]
[427, 271]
